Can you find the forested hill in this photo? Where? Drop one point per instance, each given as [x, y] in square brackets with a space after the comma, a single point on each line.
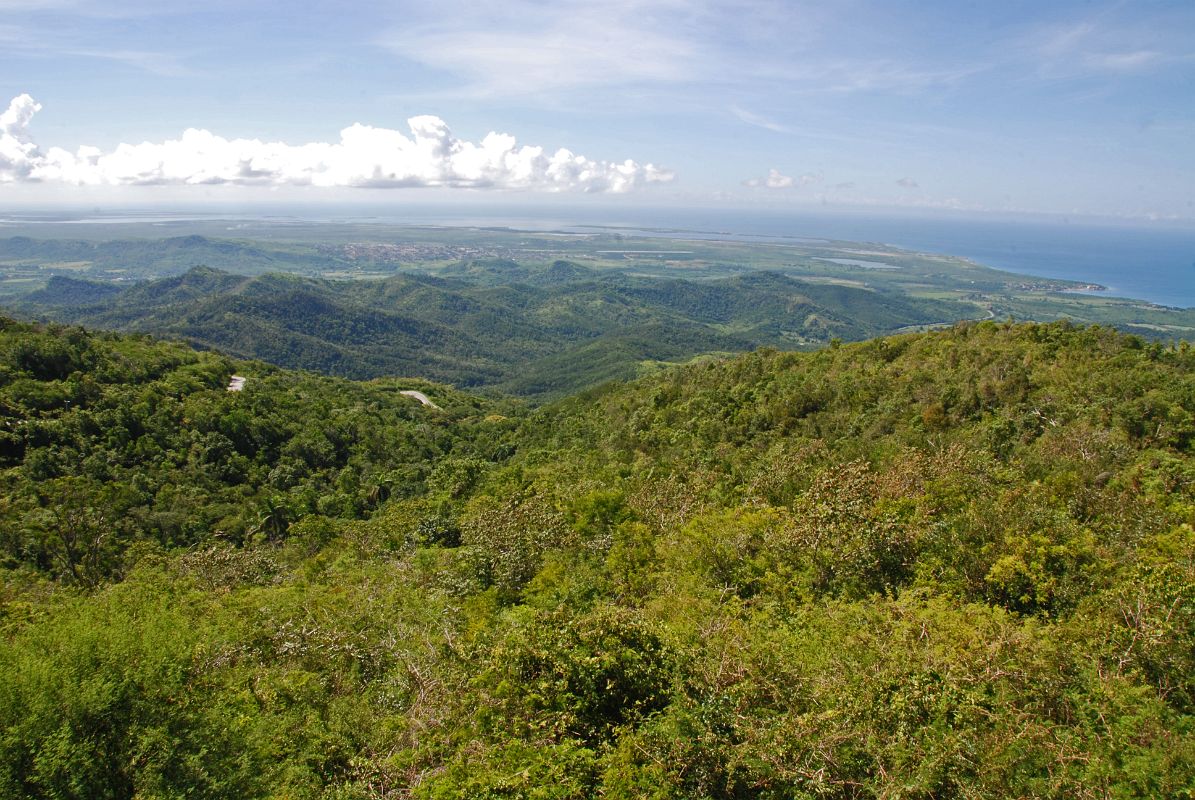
[111, 443]
[954, 564]
[540, 332]
[163, 256]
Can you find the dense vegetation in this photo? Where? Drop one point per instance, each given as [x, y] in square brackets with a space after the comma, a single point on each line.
[125, 258]
[955, 564]
[110, 442]
[86, 263]
[539, 332]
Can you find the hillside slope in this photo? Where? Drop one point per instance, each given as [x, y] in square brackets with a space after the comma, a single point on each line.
[489, 330]
[954, 564]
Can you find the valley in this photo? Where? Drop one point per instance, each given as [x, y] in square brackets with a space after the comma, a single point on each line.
[477, 513]
[536, 314]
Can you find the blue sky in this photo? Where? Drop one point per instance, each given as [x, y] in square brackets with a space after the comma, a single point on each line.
[1060, 107]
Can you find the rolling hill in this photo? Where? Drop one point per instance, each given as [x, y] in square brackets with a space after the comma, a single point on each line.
[540, 331]
[951, 564]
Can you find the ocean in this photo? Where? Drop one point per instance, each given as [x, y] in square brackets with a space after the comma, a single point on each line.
[1143, 261]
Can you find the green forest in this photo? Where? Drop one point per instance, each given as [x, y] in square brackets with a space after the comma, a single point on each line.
[538, 332]
[950, 564]
[537, 315]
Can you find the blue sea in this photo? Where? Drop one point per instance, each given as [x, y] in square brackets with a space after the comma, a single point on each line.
[1153, 262]
[1142, 261]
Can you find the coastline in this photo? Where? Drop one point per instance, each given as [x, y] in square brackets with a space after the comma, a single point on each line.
[1150, 264]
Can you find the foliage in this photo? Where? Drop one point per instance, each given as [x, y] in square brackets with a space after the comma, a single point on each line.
[955, 564]
[113, 441]
[532, 337]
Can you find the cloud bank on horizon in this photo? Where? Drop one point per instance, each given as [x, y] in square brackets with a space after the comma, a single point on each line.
[365, 157]
[1069, 107]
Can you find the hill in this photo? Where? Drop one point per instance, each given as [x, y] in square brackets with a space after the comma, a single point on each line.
[115, 442]
[484, 328]
[870, 275]
[62, 291]
[958, 563]
[135, 258]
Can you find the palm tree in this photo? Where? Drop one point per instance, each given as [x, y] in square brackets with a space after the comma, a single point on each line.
[274, 520]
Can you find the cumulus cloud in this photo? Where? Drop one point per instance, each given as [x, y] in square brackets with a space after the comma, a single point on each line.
[776, 180]
[18, 153]
[907, 183]
[364, 156]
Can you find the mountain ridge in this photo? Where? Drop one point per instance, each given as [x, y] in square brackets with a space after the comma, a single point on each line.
[487, 331]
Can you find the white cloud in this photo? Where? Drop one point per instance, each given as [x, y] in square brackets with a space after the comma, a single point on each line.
[1110, 44]
[18, 153]
[829, 76]
[907, 183]
[364, 157]
[776, 180]
[527, 46]
[34, 39]
[759, 121]
[1063, 39]
[538, 49]
[1124, 62]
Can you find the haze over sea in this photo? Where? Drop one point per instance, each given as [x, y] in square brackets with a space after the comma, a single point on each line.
[1140, 260]
[1154, 262]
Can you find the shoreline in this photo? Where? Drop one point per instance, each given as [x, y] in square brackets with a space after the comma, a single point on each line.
[1158, 264]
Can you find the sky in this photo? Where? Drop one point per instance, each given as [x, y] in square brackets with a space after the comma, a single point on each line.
[1064, 107]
